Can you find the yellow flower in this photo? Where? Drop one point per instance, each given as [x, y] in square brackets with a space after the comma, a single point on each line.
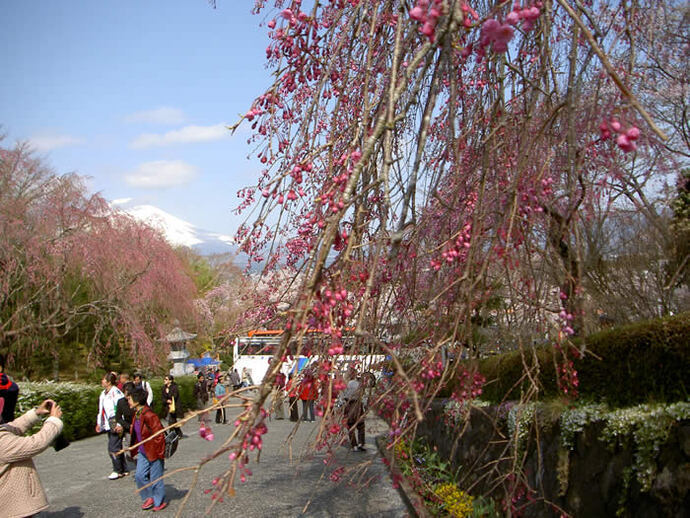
[457, 503]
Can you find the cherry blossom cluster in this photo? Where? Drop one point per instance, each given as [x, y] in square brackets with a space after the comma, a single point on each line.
[431, 369]
[330, 311]
[568, 378]
[205, 432]
[626, 139]
[498, 34]
[527, 15]
[469, 386]
[427, 12]
[253, 438]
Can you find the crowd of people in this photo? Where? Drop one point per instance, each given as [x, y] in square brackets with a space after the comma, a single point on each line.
[124, 409]
[304, 387]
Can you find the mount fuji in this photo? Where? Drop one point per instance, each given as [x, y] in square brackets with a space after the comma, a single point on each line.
[179, 232]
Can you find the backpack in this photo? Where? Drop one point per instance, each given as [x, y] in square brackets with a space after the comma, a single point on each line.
[171, 441]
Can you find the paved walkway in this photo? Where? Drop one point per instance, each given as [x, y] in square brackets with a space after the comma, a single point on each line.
[284, 485]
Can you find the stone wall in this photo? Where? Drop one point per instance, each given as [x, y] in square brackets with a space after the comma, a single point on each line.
[588, 480]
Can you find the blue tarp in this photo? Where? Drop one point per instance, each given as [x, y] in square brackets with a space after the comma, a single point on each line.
[301, 363]
[202, 362]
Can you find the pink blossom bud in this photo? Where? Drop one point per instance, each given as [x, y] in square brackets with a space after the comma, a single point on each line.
[504, 33]
[490, 25]
[633, 133]
[428, 29]
[417, 13]
[623, 141]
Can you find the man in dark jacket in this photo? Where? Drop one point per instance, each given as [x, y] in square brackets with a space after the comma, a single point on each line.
[124, 415]
[150, 455]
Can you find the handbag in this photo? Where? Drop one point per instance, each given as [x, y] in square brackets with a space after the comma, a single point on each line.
[112, 423]
[171, 442]
[171, 409]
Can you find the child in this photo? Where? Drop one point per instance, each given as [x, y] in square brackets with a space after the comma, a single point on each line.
[150, 455]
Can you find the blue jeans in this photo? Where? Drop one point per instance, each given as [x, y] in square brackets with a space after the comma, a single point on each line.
[146, 472]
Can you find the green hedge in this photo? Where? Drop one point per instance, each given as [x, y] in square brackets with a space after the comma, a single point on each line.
[642, 362]
[79, 402]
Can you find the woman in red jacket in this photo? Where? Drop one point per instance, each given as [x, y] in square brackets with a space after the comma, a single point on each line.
[151, 454]
[308, 393]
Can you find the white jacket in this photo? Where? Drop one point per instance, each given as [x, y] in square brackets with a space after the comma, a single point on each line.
[107, 402]
[149, 390]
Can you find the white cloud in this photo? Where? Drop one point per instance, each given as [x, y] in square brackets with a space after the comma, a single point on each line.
[162, 115]
[48, 142]
[185, 135]
[161, 173]
[121, 201]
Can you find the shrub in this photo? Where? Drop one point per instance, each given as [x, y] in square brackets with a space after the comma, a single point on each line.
[637, 363]
[640, 362]
[79, 402]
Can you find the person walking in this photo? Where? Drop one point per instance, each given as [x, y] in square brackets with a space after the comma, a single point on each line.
[106, 422]
[140, 382]
[123, 416]
[220, 393]
[124, 378]
[354, 412]
[247, 380]
[21, 492]
[292, 388]
[201, 396]
[171, 402]
[277, 396]
[150, 455]
[235, 380]
[308, 393]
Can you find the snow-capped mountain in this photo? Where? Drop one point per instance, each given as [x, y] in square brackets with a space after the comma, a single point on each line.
[179, 232]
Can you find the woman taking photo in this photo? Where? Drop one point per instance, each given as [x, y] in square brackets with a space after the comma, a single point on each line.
[21, 492]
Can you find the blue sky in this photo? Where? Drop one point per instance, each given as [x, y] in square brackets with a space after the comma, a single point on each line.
[134, 94]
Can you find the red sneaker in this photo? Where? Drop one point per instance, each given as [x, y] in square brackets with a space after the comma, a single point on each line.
[148, 504]
[163, 505]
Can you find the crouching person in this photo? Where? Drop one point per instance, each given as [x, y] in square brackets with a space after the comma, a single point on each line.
[150, 455]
